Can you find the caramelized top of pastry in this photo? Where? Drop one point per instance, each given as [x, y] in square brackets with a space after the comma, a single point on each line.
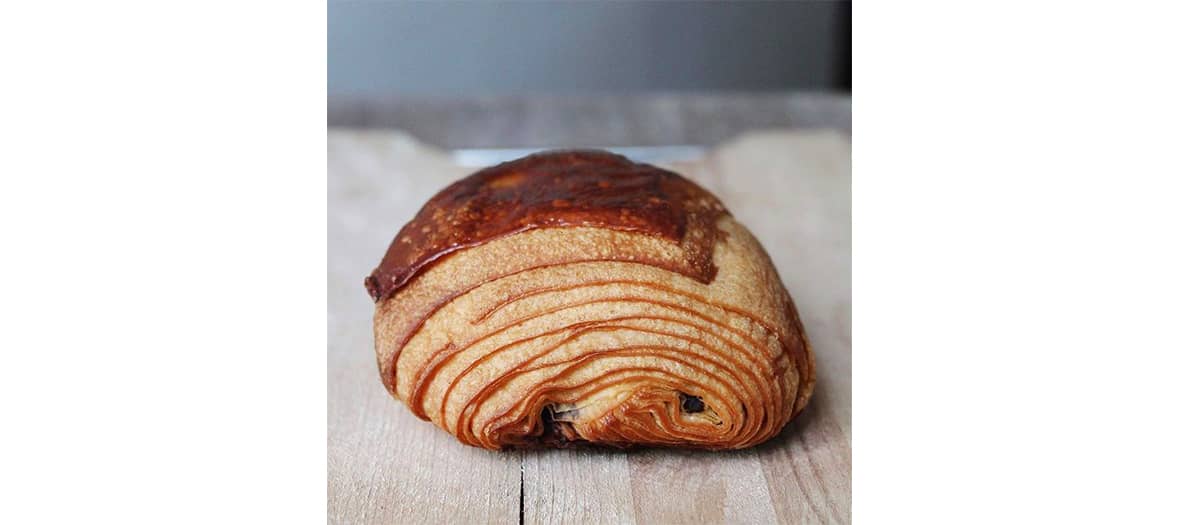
[555, 189]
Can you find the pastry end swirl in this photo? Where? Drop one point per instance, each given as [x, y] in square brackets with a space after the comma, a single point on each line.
[576, 297]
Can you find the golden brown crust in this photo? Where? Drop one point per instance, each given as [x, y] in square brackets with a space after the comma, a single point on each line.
[554, 189]
[586, 332]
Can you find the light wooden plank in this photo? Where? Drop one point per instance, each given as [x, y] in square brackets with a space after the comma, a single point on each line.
[807, 471]
[384, 464]
[793, 191]
[685, 486]
[577, 486]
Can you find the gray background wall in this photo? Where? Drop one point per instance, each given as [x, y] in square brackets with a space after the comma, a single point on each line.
[480, 48]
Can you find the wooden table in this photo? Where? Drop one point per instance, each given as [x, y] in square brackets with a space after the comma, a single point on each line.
[386, 466]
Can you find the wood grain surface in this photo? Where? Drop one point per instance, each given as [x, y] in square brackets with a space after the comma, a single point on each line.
[792, 189]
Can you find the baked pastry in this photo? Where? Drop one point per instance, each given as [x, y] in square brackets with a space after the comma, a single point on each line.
[577, 297]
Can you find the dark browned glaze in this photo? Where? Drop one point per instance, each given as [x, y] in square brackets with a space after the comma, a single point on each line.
[554, 189]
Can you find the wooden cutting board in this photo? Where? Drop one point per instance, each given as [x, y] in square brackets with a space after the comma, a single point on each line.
[792, 189]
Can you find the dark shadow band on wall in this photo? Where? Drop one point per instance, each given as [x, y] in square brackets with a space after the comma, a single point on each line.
[590, 120]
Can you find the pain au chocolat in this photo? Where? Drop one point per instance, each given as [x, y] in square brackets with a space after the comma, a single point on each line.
[576, 297]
